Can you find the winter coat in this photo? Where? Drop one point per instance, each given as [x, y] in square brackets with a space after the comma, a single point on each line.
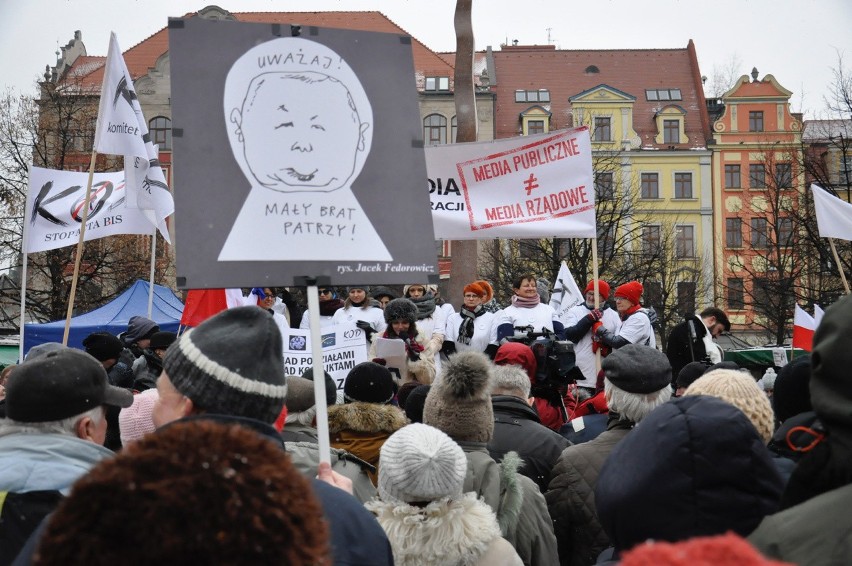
[146, 369]
[451, 532]
[519, 505]
[374, 316]
[814, 533]
[540, 316]
[484, 332]
[362, 428]
[574, 331]
[517, 428]
[571, 495]
[36, 472]
[790, 443]
[583, 429]
[682, 349]
[517, 354]
[305, 456]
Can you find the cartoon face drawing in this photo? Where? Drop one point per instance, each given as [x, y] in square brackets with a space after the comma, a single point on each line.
[299, 130]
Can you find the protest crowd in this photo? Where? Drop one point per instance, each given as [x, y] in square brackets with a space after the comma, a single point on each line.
[157, 447]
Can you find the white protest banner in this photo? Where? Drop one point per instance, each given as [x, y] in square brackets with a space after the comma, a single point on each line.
[122, 130]
[55, 207]
[834, 216]
[566, 293]
[526, 187]
[342, 349]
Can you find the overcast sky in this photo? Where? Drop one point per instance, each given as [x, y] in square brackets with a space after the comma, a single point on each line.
[796, 41]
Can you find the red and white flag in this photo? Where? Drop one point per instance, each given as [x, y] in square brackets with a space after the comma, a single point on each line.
[122, 130]
[834, 216]
[803, 329]
[201, 304]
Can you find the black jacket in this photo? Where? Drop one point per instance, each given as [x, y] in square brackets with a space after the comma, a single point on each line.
[517, 428]
[682, 349]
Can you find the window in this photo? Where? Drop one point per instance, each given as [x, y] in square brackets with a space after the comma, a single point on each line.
[736, 294]
[757, 176]
[653, 294]
[785, 231]
[603, 186]
[454, 127]
[603, 131]
[755, 121]
[733, 233]
[759, 237]
[761, 293]
[540, 95]
[650, 185]
[732, 176]
[535, 127]
[686, 297]
[684, 242]
[591, 69]
[437, 84]
[844, 171]
[783, 175]
[683, 185]
[650, 240]
[663, 94]
[671, 131]
[160, 129]
[434, 129]
[606, 240]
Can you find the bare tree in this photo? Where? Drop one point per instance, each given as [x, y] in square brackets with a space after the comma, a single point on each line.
[723, 76]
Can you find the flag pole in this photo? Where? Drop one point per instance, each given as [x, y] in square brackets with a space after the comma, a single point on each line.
[319, 372]
[839, 266]
[79, 254]
[151, 279]
[24, 247]
[597, 296]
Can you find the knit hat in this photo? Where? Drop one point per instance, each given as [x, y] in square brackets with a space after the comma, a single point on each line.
[42, 349]
[149, 504]
[59, 385]
[722, 550]
[139, 328]
[419, 463]
[632, 291]
[603, 287]
[459, 402]
[364, 288]
[378, 292]
[481, 288]
[416, 402]
[723, 365]
[162, 340]
[638, 369]
[406, 288]
[401, 309]
[767, 382]
[103, 346]
[404, 391]
[300, 392]
[231, 364]
[740, 390]
[690, 372]
[369, 382]
[135, 421]
[792, 394]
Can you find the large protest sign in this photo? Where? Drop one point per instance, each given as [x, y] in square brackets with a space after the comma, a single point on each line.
[55, 209]
[528, 187]
[299, 153]
[342, 349]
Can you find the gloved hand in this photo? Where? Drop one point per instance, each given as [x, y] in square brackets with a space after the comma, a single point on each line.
[259, 292]
[365, 326]
[413, 356]
[601, 332]
[595, 315]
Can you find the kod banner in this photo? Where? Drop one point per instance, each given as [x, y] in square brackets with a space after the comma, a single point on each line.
[55, 209]
[528, 187]
[342, 349]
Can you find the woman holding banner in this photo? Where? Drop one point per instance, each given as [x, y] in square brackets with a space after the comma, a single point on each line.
[472, 328]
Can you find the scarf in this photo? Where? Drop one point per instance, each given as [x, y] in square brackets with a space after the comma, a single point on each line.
[425, 306]
[525, 303]
[328, 308]
[630, 311]
[466, 327]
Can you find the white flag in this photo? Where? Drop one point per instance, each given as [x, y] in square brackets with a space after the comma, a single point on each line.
[565, 294]
[834, 216]
[55, 203]
[122, 130]
[818, 314]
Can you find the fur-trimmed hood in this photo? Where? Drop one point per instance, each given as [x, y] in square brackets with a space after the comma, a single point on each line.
[446, 531]
[365, 417]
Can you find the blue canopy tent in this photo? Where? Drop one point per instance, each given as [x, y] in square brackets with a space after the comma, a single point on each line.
[112, 317]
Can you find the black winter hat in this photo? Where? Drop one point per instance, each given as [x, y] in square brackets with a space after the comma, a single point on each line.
[690, 372]
[369, 382]
[59, 385]
[378, 292]
[303, 399]
[103, 346]
[231, 364]
[162, 340]
[416, 402]
[638, 369]
[792, 395]
[401, 309]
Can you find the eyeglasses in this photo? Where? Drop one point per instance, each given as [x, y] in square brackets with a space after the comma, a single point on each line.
[325, 292]
[471, 296]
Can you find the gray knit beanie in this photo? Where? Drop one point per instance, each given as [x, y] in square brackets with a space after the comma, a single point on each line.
[231, 364]
[401, 309]
[419, 463]
[459, 402]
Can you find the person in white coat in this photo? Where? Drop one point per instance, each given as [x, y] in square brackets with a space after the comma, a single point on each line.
[329, 303]
[526, 310]
[472, 328]
[581, 322]
[359, 309]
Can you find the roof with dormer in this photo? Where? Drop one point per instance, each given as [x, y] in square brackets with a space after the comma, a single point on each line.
[568, 74]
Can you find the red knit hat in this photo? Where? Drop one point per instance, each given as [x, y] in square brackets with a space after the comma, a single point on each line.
[481, 288]
[632, 291]
[603, 287]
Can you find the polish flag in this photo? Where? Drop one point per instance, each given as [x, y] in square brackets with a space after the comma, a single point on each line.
[803, 329]
[201, 304]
